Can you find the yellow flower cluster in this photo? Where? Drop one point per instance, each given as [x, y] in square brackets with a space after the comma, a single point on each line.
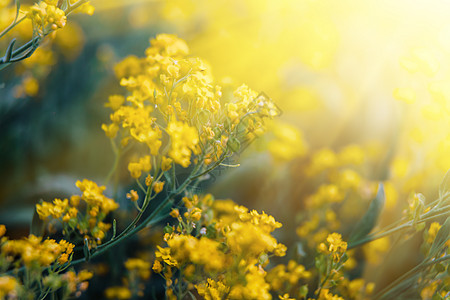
[142, 165]
[8, 285]
[334, 245]
[356, 289]
[174, 108]
[288, 142]
[184, 142]
[138, 271]
[326, 295]
[46, 16]
[220, 237]
[281, 277]
[35, 252]
[77, 283]
[141, 267]
[118, 292]
[338, 190]
[89, 224]
[50, 15]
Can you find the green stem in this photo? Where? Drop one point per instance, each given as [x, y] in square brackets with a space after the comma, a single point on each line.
[116, 161]
[13, 24]
[140, 185]
[213, 167]
[33, 44]
[423, 265]
[426, 217]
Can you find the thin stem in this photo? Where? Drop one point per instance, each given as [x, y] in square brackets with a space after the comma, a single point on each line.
[140, 185]
[423, 265]
[382, 233]
[213, 167]
[33, 44]
[13, 24]
[116, 151]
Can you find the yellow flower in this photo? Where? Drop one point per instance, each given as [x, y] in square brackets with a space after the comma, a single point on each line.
[166, 163]
[115, 102]
[193, 214]
[31, 86]
[336, 246]
[2, 230]
[157, 266]
[285, 297]
[158, 186]
[140, 266]
[148, 180]
[46, 17]
[7, 285]
[323, 160]
[326, 295]
[135, 169]
[288, 143]
[110, 130]
[432, 232]
[84, 275]
[164, 254]
[133, 195]
[184, 141]
[33, 250]
[212, 290]
[118, 292]
[175, 213]
[143, 165]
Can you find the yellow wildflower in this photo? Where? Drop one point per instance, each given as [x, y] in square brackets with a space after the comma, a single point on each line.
[148, 180]
[157, 266]
[118, 292]
[133, 195]
[184, 141]
[140, 266]
[7, 286]
[166, 163]
[46, 17]
[110, 130]
[326, 295]
[432, 232]
[158, 186]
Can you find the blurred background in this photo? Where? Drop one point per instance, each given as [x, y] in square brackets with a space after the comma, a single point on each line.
[363, 86]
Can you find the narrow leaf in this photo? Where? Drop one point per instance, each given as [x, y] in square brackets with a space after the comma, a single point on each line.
[17, 10]
[369, 220]
[9, 51]
[444, 187]
[114, 229]
[86, 252]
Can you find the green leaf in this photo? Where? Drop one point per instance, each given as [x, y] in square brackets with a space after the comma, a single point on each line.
[444, 187]
[86, 251]
[114, 229]
[17, 10]
[369, 220]
[441, 238]
[9, 51]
